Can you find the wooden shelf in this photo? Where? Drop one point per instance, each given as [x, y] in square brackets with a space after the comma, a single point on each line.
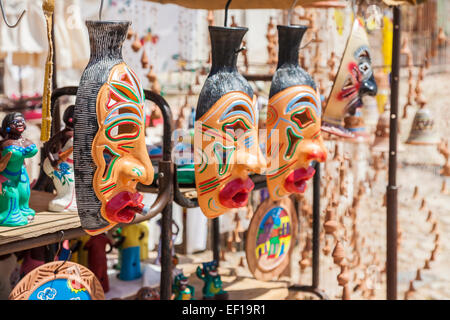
[45, 223]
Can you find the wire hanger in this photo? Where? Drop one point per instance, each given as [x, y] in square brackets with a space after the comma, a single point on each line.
[100, 11]
[226, 12]
[290, 11]
[6, 20]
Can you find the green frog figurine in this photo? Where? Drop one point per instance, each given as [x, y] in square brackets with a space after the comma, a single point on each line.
[14, 180]
[212, 289]
[181, 289]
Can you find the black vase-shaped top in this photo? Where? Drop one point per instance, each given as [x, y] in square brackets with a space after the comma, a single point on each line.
[289, 73]
[106, 39]
[224, 76]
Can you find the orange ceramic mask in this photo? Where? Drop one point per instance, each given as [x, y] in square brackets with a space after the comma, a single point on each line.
[226, 152]
[293, 140]
[119, 149]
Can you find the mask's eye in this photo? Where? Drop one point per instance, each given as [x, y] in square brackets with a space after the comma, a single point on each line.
[110, 157]
[236, 129]
[293, 140]
[303, 118]
[364, 54]
[348, 83]
[364, 67]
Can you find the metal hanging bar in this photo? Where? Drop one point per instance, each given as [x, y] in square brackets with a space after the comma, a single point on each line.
[391, 192]
[6, 20]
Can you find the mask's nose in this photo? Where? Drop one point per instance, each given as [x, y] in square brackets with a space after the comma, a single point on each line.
[247, 162]
[368, 87]
[315, 151]
[134, 169]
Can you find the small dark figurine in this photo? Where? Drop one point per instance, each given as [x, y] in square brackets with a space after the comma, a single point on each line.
[147, 293]
[58, 165]
[14, 180]
[97, 262]
[213, 284]
[181, 289]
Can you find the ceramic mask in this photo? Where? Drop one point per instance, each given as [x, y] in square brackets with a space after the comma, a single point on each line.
[354, 78]
[119, 149]
[226, 152]
[293, 140]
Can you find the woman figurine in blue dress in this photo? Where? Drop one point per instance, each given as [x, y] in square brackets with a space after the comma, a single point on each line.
[14, 181]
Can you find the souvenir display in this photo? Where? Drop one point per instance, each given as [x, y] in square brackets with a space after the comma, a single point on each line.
[110, 155]
[97, 262]
[181, 289]
[143, 244]
[381, 142]
[353, 81]
[226, 138]
[58, 165]
[293, 121]
[212, 289]
[58, 280]
[130, 264]
[423, 130]
[270, 238]
[14, 181]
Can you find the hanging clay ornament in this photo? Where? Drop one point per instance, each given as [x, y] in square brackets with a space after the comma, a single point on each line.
[423, 131]
[130, 33]
[58, 165]
[14, 180]
[381, 142]
[110, 154]
[293, 120]
[144, 60]
[58, 280]
[354, 80]
[226, 139]
[271, 238]
[137, 44]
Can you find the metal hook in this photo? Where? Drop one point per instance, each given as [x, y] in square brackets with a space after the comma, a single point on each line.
[6, 20]
[59, 244]
[100, 10]
[226, 12]
[290, 11]
[307, 44]
[240, 49]
[58, 252]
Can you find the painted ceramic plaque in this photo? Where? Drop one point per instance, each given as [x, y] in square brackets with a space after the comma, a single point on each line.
[270, 238]
[354, 80]
[59, 280]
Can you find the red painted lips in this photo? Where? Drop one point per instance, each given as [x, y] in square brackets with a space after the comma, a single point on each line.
[235, 193]
[296, 181]
[123, 206]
